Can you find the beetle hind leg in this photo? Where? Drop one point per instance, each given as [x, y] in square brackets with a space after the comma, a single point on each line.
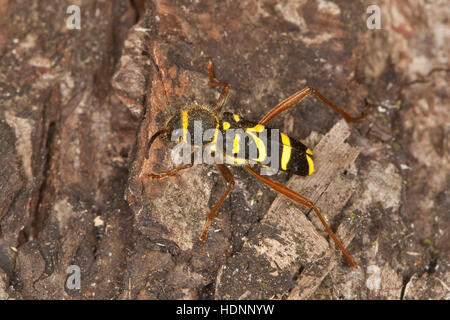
[298, 97]
[307, 203]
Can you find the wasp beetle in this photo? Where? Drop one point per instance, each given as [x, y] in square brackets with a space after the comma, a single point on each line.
[293, 156]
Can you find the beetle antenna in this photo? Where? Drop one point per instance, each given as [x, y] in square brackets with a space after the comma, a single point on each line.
[152, 139]
[160, 75]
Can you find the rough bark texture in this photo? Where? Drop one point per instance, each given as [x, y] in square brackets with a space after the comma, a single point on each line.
[77, 108]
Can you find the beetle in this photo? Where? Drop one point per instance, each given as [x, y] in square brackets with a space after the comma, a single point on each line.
[292, 154]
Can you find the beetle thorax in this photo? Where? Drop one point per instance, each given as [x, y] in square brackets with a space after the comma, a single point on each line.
[195, 122]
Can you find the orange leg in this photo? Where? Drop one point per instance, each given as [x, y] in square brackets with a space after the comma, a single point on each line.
[302, 200]
[299, 96]
[169, 173]
[225, 90]
[226, 173]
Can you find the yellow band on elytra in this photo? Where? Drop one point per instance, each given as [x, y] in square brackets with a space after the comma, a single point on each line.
[185, 124]
[236, 147]
[310, 164]
[286, 152]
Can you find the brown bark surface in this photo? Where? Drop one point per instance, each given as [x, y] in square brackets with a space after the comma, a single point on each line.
[77, 108]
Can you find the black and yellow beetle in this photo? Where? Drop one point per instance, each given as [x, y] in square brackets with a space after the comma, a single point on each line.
[294, 156]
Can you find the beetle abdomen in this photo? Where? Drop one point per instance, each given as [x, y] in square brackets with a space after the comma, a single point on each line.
[246, 141]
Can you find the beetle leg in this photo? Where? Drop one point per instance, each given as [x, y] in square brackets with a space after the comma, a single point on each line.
[169, 173]
[304, 201]
[213, 83]
[226, 173]
[299, 96]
